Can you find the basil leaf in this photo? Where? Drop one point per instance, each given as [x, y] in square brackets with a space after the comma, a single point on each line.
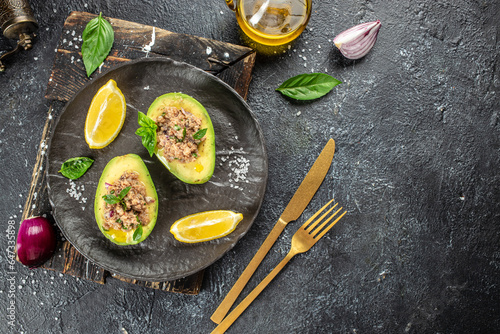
[124, 192]
[111, 199]
[98, 38]
[145, 121]
[147, 132]
[75, 167]
[183, 134]
[308, 86]
[200, 134]
[137, 233]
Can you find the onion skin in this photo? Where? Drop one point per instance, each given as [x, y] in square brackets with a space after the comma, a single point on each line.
[356, 42]
[36, 241]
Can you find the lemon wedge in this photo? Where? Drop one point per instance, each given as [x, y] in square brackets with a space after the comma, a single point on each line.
[106, 116]
[205, 226]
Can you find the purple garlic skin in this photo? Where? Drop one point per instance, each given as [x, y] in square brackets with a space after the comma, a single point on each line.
[356, 42]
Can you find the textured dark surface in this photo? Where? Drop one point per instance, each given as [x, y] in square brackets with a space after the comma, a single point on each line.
[416, 125]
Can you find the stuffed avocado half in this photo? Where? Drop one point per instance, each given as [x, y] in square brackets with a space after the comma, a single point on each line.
[185, 139]
[126, 202]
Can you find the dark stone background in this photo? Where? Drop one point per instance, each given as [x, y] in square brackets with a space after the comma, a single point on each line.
[416, 124]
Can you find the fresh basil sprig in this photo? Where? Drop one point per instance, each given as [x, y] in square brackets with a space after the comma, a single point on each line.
[200, 134]
[75, 167]
[308, 86]
[147, 131]
[137, 233]
[98, 38]
[112, 199]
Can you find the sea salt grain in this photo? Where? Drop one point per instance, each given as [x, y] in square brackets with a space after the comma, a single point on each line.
[239, 168]
[75, 192]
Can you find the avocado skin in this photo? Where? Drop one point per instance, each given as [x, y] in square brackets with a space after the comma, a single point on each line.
[113, 170]
[202, 169]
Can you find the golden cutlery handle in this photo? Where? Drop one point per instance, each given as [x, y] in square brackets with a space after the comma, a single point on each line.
[235, 291]
[228, 321]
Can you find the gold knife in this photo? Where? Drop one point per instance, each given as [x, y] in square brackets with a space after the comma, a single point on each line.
[293, 210]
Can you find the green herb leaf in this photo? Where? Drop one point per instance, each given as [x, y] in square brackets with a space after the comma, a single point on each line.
[183, 136]
[308, 86]
[98, 38]
[176, 127]
[200, 134]
[124, 192]
[75, 167]
[137, 233]
[147, 131]
[111, 199]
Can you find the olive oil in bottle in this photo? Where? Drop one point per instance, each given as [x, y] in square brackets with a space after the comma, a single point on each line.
[273, 22]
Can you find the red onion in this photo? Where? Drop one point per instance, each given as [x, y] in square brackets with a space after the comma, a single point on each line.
[357, 41]
[36, 241]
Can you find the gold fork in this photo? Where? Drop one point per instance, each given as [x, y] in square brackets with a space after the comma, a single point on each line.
[305, 237]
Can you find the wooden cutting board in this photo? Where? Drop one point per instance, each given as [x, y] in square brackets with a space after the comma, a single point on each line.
[231, 63]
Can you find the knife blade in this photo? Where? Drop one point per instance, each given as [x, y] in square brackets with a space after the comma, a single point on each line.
[293, 210]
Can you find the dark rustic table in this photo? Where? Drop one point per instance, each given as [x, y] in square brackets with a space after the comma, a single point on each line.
[417, 128]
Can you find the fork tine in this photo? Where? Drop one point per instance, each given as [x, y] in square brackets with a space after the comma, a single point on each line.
[316, 238]
[315, 215]
[310, 228]
[318, 229]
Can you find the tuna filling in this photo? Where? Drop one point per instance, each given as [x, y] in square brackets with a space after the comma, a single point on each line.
[126, 203]
[178, 134]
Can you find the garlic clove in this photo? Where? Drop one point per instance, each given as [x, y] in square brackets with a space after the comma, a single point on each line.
[356, 42]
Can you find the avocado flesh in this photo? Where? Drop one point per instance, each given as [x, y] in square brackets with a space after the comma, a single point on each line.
[112, 172]
[200, 170]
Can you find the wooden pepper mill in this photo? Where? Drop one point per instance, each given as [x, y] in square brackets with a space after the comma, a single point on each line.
[17, 22]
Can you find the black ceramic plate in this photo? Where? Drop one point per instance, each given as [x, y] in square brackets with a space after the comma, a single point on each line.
[238, 183]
